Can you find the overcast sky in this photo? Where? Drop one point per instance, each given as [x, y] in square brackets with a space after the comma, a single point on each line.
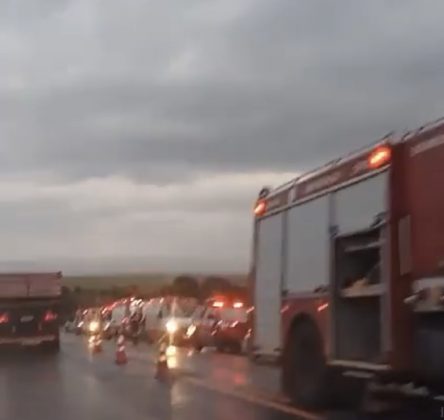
[136, 134]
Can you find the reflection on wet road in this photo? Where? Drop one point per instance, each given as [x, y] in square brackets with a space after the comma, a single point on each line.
[76, 385]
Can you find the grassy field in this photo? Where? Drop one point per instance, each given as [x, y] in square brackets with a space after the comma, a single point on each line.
[144, 282]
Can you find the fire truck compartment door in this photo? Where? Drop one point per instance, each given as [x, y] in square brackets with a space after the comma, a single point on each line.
[359, 205]
[308, 250]
[268, 288]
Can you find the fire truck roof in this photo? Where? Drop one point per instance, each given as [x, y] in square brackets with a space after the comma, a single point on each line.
[360, 163]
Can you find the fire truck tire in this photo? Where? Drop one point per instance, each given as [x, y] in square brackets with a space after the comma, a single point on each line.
[305, 376]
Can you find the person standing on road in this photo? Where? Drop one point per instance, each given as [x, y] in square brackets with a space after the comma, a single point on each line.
[136, 318]
[78, 316]
[136, 323]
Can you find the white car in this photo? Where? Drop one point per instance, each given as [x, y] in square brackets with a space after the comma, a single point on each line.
[168, 315]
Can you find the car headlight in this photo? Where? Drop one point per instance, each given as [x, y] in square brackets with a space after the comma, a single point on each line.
[171, 351]
[191, 330]
[171, 326]
[93, 326]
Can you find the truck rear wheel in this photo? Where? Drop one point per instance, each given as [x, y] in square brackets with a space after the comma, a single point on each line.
[304, 371]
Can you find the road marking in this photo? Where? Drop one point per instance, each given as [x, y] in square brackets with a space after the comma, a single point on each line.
[254, 399]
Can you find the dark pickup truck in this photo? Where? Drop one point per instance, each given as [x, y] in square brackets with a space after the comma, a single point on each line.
[29, 309]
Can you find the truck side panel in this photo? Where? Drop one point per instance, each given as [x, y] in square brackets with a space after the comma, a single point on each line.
[401, 322]
[30, 285]
[417, 236]
[425, 178]
[12, 287]
[268, 287]
[421, 253]
[308, 247]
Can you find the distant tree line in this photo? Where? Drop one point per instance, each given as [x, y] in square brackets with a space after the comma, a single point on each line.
[188, 286]
[183, 286]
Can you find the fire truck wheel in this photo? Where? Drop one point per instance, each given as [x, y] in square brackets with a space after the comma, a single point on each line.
[304, 373]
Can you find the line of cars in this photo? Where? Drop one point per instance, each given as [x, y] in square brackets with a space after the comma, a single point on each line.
[219, 322]
[111, 320]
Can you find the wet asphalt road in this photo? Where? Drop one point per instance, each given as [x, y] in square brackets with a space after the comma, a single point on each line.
[76, 385]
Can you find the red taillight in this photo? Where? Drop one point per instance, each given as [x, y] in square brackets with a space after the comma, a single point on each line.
[322, 307]
[218, 304]
[379, 157]
[4, 318]
[49, 316]
[238, 305]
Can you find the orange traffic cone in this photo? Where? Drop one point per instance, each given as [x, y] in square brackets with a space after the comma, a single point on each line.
[162, 371]
[95, 344]
[121, 357]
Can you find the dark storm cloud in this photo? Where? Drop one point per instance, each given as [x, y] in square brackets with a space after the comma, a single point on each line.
[128, 128]
[279, 86]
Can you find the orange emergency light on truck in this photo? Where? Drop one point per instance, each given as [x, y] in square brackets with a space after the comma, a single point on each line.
[348, 271]
[29, 309]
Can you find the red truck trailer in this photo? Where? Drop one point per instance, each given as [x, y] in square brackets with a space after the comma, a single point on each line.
[348, 271]
[29, 309]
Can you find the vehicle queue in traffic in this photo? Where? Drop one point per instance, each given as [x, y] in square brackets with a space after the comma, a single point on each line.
[220, 322]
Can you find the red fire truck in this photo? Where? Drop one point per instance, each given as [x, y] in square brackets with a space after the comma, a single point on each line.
[348, 271]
